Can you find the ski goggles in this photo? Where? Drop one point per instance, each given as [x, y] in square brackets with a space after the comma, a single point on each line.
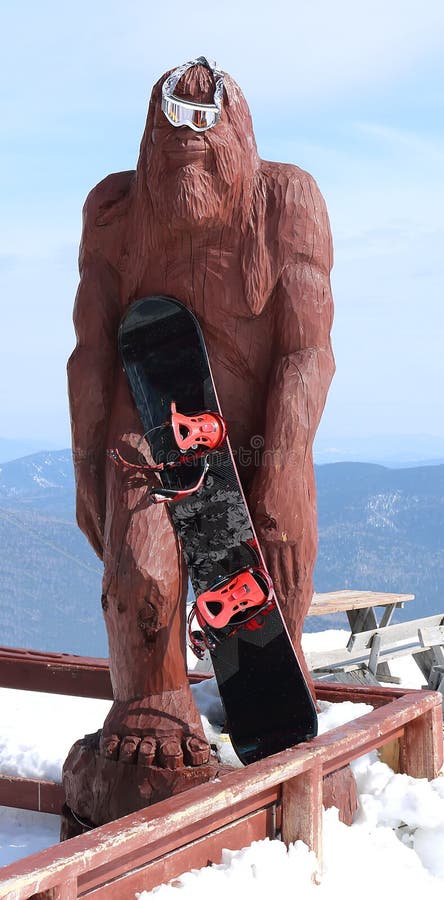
[198, 116]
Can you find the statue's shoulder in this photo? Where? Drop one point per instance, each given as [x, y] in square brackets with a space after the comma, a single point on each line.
[297, 213]
[291, 187]
[108, 200]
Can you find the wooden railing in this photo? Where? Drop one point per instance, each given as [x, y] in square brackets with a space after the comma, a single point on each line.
[283, 792]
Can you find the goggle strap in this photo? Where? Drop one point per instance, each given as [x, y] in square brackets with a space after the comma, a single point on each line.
[171, 82]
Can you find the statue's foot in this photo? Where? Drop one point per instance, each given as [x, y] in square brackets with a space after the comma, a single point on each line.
[163, 730]
[99, 789]
[148, 749]
[166, 752]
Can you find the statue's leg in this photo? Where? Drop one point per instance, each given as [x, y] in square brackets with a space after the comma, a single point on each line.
[153, 719]
[152, 743]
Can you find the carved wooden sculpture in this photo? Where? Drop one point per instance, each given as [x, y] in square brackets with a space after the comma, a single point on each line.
[246, 244]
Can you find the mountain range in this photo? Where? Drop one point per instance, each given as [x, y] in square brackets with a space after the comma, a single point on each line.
[379, 529]
[382, 529]
[50, 579]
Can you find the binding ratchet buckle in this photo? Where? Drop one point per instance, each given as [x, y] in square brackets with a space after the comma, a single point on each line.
[241, 600]
[163, 495]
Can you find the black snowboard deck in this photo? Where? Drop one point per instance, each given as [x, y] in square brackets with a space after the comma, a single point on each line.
[266, 699]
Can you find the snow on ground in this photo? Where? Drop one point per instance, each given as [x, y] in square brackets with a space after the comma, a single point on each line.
[37, 730]
[396, 842]
[23, 832]
[36, 733]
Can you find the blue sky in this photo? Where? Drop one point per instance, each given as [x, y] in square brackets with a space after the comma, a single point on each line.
[351, 92]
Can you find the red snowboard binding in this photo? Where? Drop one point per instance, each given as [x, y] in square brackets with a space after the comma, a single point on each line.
[203, 432]
[224, 606]
[205, 429]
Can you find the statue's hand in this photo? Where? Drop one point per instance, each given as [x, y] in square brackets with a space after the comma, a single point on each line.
[90, 522]
[285, 563]
[282, 562]
[90, 508]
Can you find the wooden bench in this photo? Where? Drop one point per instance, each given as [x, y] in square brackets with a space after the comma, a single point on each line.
[432, 636]
[360, 608]
[369, 649]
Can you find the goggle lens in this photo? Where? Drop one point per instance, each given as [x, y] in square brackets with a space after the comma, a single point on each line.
[195, 117]
[198, 116]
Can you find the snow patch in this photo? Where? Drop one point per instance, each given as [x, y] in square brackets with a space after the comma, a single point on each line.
[382, 508]
[43, 482]
[395, 845]
[37, 730]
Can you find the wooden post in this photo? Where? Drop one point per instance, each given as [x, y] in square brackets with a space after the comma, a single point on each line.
[302, 811]
[422, 745]
[390, 754]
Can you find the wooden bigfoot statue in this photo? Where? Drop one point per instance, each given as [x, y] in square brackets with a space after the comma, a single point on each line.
[246, 245]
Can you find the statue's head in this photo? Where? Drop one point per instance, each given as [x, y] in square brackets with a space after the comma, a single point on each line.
[198, 154]
[192, 111]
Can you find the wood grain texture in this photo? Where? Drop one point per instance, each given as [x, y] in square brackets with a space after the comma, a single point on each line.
[343, 601]
[104, 859]
[246, 245]
[302, 810]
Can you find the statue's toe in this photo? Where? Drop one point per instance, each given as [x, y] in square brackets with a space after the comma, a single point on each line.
[196, 751]
[147, 751]
[170, 754]
[110, 745]
[129, 746]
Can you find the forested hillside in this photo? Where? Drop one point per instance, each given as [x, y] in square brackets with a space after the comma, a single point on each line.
[379, 529]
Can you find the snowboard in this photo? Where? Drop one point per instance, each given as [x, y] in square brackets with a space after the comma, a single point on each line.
[267, 702]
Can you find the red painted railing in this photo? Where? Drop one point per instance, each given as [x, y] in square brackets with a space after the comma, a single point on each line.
[156, 844]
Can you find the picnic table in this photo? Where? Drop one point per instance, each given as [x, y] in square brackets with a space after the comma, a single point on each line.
[359, 606]
[371, 643]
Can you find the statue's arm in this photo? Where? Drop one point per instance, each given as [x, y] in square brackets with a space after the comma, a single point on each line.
[301, 374]
[91, 372]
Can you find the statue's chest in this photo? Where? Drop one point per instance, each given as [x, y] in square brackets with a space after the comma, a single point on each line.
[206, 277]
[210, 281]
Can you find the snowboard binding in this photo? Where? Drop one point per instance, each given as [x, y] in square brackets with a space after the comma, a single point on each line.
[206, 429]
[240, 600]
[202, 433]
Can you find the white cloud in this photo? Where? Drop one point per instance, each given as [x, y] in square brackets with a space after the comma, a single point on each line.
[429, 149]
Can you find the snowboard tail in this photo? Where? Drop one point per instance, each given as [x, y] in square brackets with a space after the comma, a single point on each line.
[266, 699]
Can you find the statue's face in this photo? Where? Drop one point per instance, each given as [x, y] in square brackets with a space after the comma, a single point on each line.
[182, 146]
[194, 175]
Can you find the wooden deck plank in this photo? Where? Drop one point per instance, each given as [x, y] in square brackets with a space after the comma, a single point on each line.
[55, 673]
[59, 673]
[302, 810]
